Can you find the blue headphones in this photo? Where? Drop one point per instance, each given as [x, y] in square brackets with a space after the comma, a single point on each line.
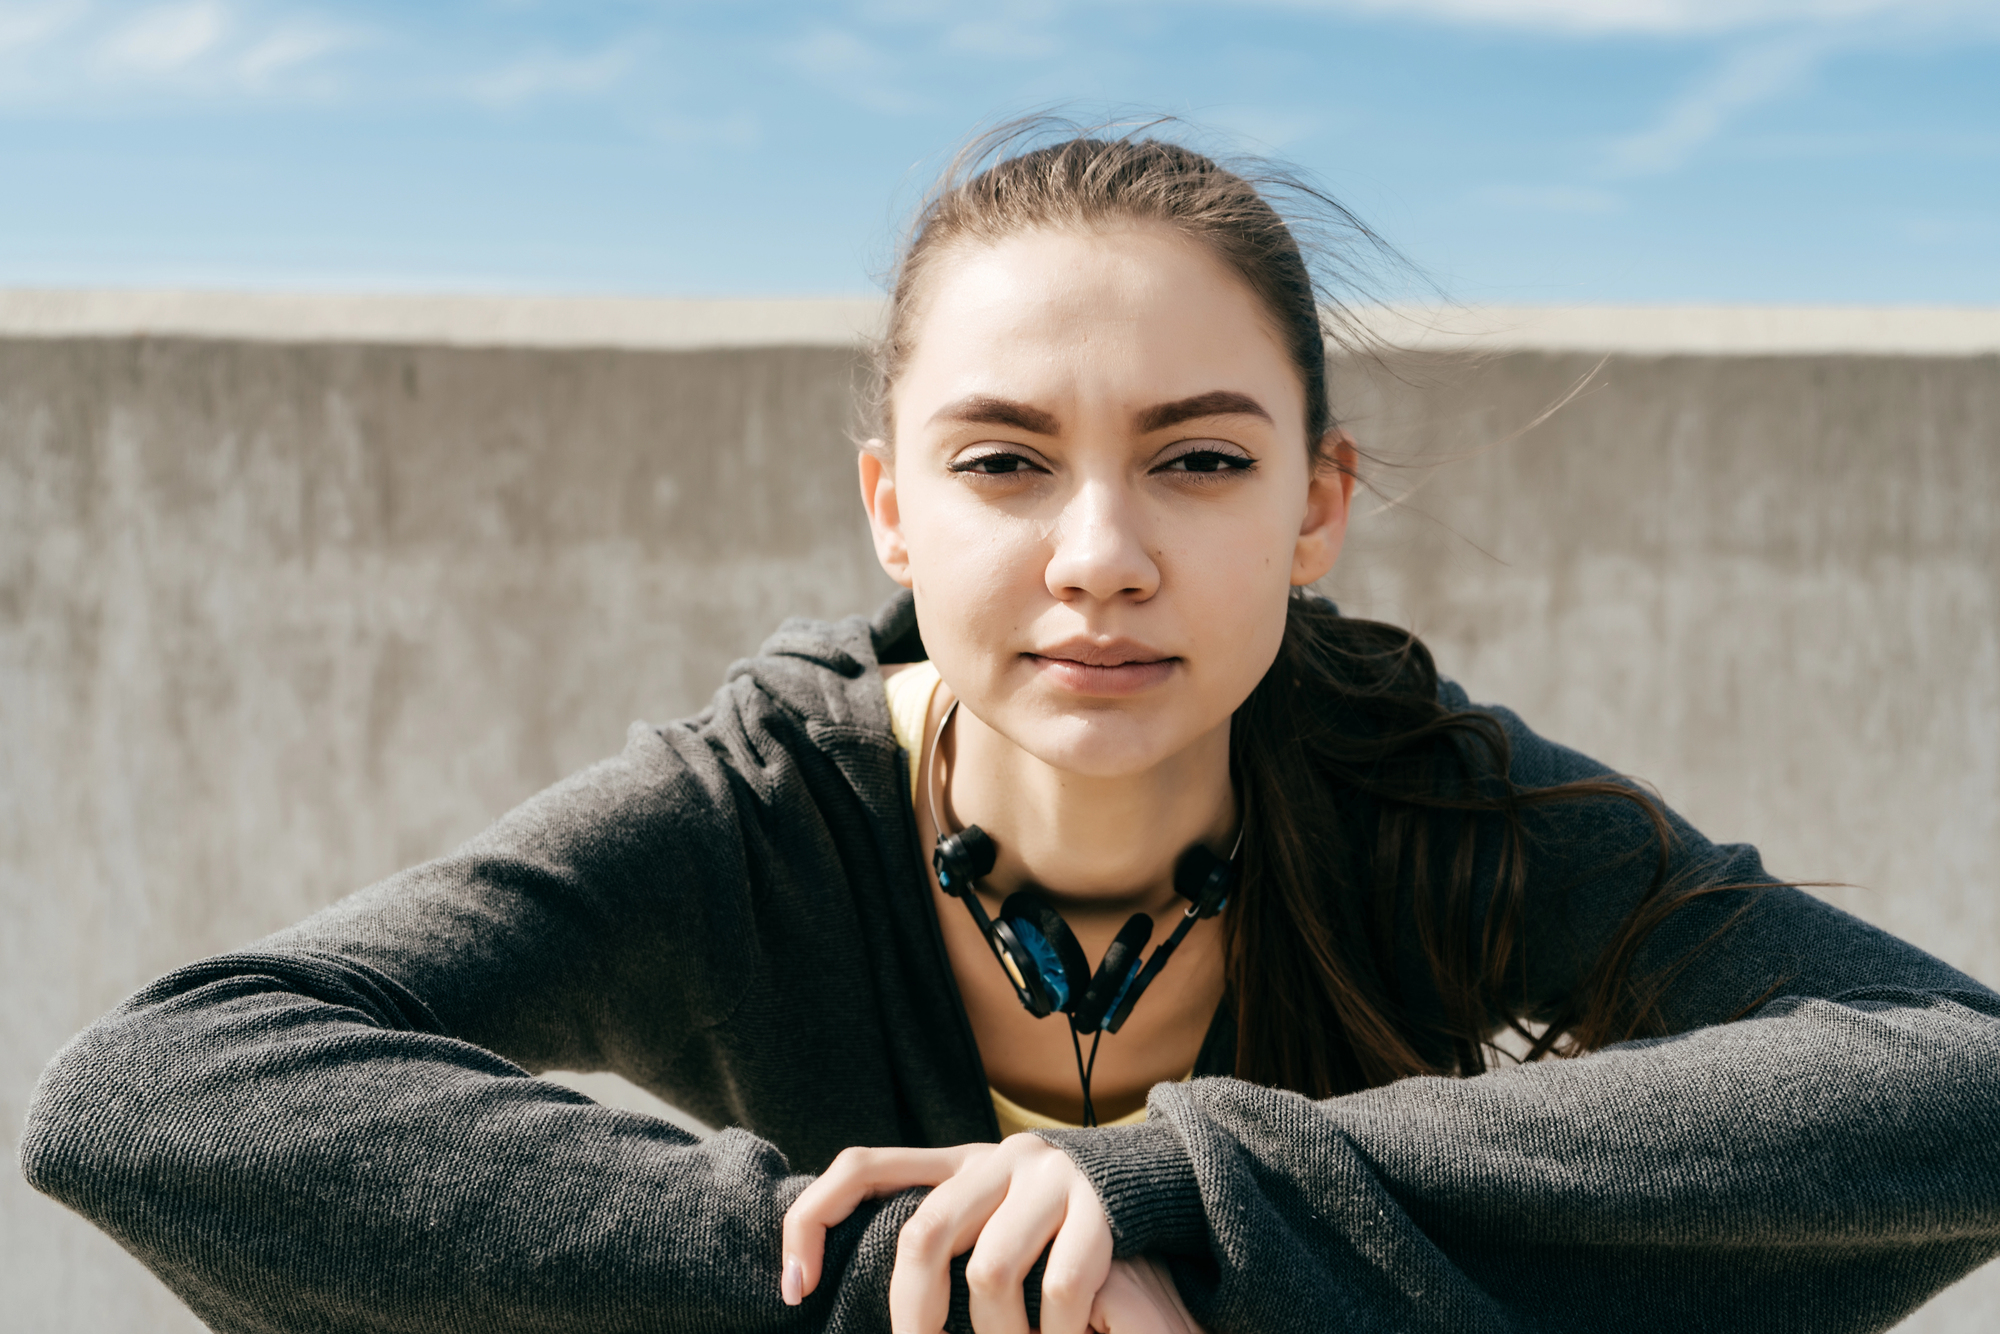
[1038, 951]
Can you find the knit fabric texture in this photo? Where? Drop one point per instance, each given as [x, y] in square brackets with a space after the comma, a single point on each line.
[339, 1128]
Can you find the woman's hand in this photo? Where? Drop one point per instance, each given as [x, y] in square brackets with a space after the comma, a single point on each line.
[1139, 1297]
[1004, 1202]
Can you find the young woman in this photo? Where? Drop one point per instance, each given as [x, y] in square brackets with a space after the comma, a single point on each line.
[1104, 719]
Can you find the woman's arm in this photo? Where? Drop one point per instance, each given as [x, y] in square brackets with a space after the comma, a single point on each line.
[1822, 1167]
[276, 1146]
[1822, 1163]
[337, 1129]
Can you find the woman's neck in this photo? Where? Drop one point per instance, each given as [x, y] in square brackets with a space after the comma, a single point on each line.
[1096, 845]
[1103, 850]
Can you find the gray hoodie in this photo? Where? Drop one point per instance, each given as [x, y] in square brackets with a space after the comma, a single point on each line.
[338, 1128]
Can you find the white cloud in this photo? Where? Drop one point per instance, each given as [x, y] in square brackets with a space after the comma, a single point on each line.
[905, 11]
[996, 27]
[68, 52]
[1747, 77]
[165, 38]
[289, 48]
[1000, 38]
[24, 26]
[1907, 143]
[546, 73]
[1693, 17]
[1006, 30]
[850, 66]
[836, 53]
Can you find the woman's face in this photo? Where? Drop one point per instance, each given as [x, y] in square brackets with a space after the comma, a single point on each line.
[1100, 492]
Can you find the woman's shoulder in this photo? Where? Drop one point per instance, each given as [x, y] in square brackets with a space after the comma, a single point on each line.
[826, 676]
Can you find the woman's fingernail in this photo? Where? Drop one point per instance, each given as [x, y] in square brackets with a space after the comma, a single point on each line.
[793, 1286]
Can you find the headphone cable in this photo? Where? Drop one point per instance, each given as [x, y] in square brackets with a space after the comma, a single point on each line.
[1083, 1072]
[932, 764]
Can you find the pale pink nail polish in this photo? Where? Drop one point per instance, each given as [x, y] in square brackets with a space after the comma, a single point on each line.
[793, 1286]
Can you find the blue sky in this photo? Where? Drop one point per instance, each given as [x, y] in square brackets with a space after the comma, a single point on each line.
[1531, 151]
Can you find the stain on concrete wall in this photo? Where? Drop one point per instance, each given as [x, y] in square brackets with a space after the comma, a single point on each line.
[276, 620]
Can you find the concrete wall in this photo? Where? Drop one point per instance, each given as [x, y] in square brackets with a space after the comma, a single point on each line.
[280, 615]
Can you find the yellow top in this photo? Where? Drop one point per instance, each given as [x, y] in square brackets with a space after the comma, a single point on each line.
[910, 692]
[1014, 1118]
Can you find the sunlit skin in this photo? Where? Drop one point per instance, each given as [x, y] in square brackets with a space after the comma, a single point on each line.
[1100, 492]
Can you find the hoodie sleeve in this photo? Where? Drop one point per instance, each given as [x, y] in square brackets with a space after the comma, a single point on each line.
[338, 1128]
[1813, 1146]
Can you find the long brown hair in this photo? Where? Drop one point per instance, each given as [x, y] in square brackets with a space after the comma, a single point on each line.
[1376, 815]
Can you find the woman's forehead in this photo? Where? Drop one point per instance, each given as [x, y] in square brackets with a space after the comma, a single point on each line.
[1078, 274]
[1141, 311]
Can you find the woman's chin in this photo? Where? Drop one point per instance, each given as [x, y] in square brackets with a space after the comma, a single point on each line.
[1104, 744]
[1102, 739]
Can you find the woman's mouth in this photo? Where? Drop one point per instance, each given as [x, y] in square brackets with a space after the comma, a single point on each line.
[1088, 667]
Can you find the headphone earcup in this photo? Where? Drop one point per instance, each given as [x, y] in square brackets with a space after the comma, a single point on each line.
[1204, 879]
[1050, 960]
[963, 858]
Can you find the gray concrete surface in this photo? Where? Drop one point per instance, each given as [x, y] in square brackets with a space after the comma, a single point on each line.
[278, 617]
[680, 324]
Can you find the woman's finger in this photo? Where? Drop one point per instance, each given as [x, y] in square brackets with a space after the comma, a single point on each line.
[944, 1225]
[1139, 1297]
[856, 1175]
[1079, 1262]
[1036, 1203]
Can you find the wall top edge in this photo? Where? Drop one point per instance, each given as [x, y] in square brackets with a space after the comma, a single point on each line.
[449, 320]
[689, 324]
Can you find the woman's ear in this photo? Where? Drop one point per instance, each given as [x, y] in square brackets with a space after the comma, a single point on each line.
[1329, 495]
[885, 520]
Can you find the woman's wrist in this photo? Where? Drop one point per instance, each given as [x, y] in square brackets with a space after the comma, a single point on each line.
[1145, 1180]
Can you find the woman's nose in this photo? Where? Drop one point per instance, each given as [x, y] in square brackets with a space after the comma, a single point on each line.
[1100, 548]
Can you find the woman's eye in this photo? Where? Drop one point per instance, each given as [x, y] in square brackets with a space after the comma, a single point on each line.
[991, 465]
[1209, 460]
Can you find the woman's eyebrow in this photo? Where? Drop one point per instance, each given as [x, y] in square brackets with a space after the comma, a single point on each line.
[985, 410]
[1215, 403]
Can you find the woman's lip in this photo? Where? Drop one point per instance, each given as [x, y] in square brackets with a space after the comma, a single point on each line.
[1089, 652]
[1082, 678]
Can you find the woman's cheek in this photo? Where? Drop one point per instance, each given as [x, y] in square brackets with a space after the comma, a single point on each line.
[976, 592]
[1239, 615]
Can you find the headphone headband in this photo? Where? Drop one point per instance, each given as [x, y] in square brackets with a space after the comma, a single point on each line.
[1035, 947]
